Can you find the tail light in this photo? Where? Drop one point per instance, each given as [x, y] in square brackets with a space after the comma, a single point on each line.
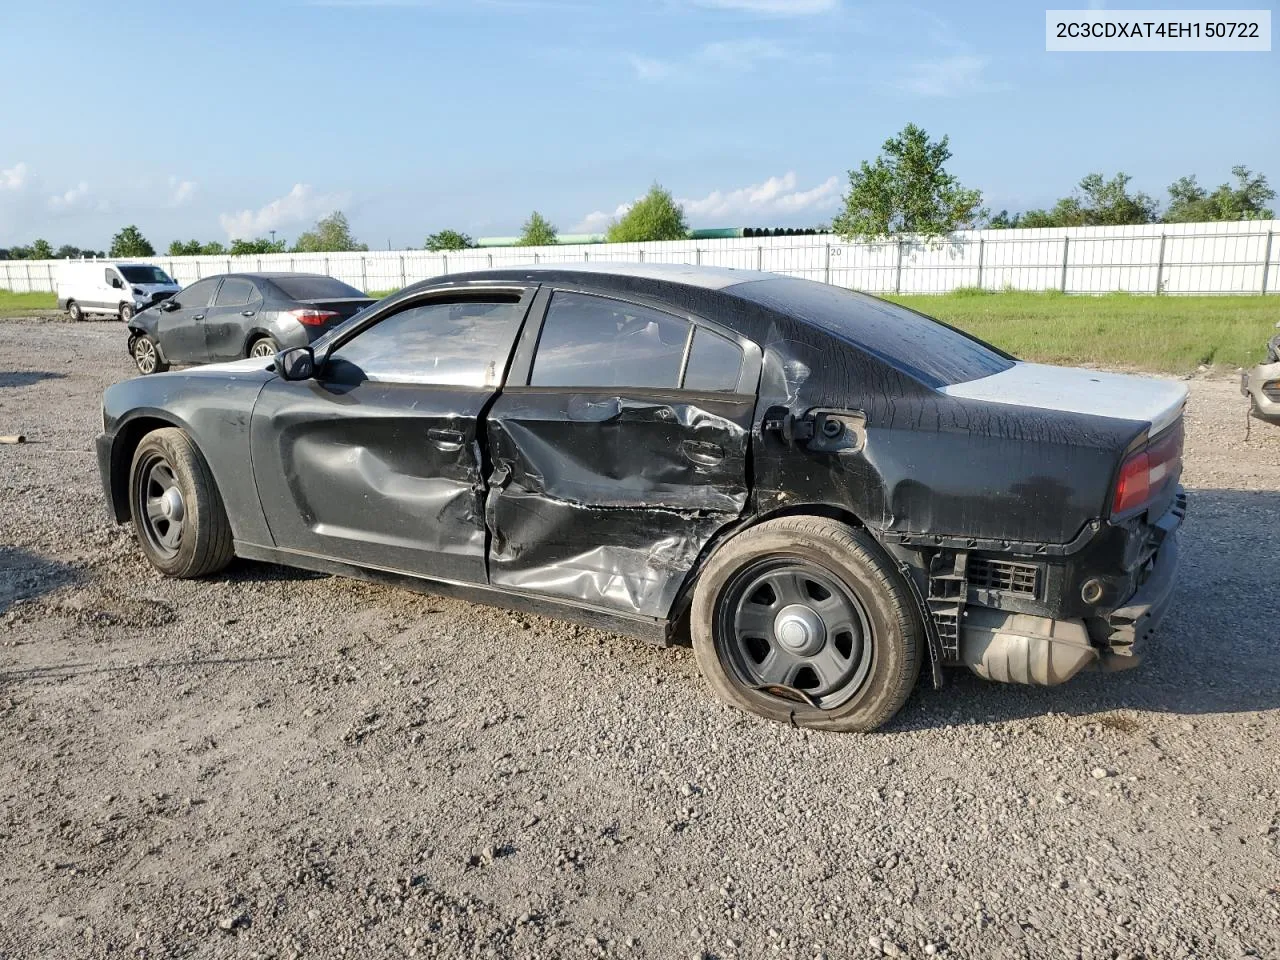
[1145, 475]
[314, 318]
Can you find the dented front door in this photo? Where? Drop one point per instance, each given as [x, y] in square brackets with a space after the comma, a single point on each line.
[377, 461]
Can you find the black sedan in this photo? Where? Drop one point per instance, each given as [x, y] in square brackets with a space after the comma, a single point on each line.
[240, 315]
[825, 490]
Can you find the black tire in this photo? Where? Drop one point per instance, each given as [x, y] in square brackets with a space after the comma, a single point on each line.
[73, 308]
[200, 544]
[891, 636]
[126, 312]
[263, 347]
[146, 355]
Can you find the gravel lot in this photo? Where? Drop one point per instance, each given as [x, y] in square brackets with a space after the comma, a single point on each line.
[278, 764]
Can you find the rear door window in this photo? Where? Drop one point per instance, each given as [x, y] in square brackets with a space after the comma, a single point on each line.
[715, 363]
[459, 343]
[590, 341]
[235, 293]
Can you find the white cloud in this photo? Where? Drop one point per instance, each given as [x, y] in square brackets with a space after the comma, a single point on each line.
[650, 70]
[741, 54]
[299, 205]
[598, 221]
[950, 77]
[774, 8]
[74, 199]
[736, 55]
[15, 177]
[748, 206]
[776, 196]
[180, 191]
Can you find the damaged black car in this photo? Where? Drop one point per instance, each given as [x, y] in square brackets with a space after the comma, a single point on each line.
[825, 491]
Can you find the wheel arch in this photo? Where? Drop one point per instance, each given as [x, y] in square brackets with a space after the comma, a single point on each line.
[253, 336]
[128, 435]
[678, 615]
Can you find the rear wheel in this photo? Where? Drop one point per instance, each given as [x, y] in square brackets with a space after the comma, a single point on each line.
[177, 513]
[264, 347]
[805, 620]
[73, 308]
[126, 312]
[146, 357]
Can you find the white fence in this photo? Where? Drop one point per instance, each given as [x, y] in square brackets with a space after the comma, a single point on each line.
[1197, 258]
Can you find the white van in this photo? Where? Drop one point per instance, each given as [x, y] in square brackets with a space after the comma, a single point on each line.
[121, 289]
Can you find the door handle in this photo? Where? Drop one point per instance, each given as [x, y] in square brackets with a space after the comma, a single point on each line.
[445, 439]
[702, 453]
[247, 313]
[198, 316]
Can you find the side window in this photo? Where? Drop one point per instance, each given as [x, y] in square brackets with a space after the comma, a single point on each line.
[112, 276]
[461, 343]
[235, 293]
[590, 341]
[715, 363]
[197, 295]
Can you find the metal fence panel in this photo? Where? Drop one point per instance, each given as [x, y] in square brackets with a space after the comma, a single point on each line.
[1187, 258]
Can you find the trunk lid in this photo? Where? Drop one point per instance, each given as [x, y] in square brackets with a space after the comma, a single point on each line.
[345, 307]
[1076, 390]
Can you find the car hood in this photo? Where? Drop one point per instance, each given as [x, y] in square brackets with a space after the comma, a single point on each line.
[1076, 390]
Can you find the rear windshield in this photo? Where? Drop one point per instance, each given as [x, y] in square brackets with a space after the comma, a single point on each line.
[315, 288]
[145, 274]
[931, 352]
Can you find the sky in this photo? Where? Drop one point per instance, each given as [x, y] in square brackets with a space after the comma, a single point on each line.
[221, 120]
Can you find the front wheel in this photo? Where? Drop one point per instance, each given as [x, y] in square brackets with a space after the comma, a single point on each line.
[264, 347]
[177, 513]
[805, 620]
[73, 308]
[126, 312]
[146, 357]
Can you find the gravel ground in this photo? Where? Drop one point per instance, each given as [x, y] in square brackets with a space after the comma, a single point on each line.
[277, 764]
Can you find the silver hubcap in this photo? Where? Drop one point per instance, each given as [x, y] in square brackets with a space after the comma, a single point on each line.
[263, 348]
[163, 507]
[800, 630]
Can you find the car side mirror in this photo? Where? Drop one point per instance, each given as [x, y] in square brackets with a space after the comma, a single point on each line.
[117, 283]
[168, 305]
[296, 363]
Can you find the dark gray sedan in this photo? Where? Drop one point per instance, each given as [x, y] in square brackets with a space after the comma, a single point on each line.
[240, 315]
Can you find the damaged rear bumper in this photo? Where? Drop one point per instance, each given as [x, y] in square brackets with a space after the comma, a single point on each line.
[1021, 648]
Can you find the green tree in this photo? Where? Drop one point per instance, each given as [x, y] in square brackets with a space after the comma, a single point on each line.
[1191, 203]
[41, 250]
[69, 252]
[184, 248]
[212, 249]
[537, 232]
[656, 216]
[907, 190]
[448, 240]
[331, 234]
[130, 242]
[1096, 202]
[241, 248]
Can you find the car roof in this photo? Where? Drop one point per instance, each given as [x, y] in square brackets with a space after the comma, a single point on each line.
[275, 275]
[708, 278]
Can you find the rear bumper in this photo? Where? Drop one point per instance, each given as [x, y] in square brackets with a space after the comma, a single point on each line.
[1260, 405]
[1021, 648]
